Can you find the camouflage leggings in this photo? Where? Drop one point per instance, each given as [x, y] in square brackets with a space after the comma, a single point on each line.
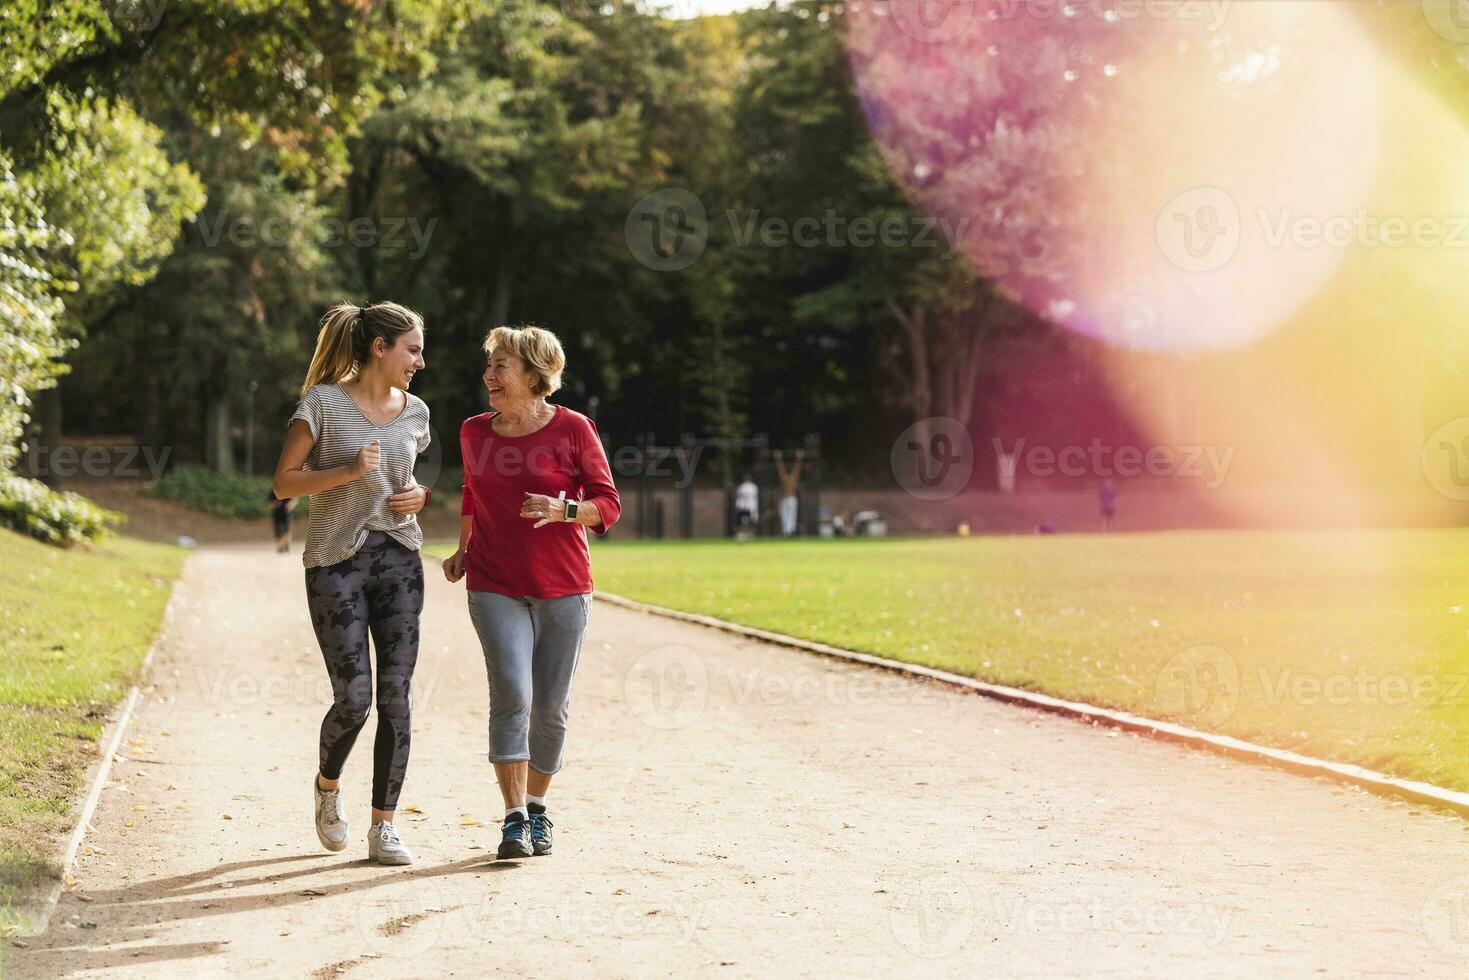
[378, 591]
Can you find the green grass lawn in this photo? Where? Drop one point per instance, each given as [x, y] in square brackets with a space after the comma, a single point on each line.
[74, 627]
[1349, 645]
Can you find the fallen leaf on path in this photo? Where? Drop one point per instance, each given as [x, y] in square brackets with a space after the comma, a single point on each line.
[140, 809]
[620, 891]
[411, 809]
[20, 945]
[228, 817]
[310, 891]
[85, 898]
[467, 821]
[127, 823]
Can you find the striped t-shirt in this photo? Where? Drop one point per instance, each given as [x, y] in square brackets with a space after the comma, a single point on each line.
[341, 517]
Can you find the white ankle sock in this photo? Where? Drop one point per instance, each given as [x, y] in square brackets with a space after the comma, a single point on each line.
[537, 800]
[518, 812]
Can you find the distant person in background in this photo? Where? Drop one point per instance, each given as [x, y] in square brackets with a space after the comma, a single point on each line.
[280, 515]
[1107, 500]
[790, 483]
[747, 507]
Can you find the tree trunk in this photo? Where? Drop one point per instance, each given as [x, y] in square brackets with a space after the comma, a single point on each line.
[500, 299]
[218, 442]
[47, 429]
[913, 322]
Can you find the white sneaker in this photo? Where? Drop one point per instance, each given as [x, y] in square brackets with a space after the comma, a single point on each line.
[331, 822]
[384, 847]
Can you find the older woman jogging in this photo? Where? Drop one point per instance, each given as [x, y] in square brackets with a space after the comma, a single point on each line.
[535, 478]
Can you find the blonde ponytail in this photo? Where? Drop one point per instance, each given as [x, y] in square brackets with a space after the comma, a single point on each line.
[333, 360]
[346, 337]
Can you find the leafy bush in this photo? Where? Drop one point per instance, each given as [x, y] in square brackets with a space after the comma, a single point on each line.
[31, 507]
[216, 493]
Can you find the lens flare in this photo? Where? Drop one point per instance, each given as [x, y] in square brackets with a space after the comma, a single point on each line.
[1154, 175]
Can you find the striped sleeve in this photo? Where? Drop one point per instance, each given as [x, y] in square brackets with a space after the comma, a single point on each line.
[309, 411]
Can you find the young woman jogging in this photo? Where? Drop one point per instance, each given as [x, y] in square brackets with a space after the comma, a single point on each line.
[350, 447]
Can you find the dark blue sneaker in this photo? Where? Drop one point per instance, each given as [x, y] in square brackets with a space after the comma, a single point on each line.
[515, 838]
[540, 832]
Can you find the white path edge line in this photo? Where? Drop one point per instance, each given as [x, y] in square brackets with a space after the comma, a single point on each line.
[40, 919]
[1368, 779]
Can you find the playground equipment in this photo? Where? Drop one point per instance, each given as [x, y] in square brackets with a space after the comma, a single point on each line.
[652, 462]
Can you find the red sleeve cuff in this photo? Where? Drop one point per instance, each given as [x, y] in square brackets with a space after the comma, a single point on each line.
[609, 510]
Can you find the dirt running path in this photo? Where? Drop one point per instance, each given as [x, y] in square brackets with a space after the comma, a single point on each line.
[728, 807]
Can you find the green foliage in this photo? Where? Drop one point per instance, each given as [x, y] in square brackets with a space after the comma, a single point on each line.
[29, 306]
[99, 103]
[216, 493]
[32, 508]
[104, 176]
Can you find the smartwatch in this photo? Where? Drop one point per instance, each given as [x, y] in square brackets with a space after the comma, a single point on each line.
[571, 510]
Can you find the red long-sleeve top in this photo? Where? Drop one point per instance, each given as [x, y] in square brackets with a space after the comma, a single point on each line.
[507, 553]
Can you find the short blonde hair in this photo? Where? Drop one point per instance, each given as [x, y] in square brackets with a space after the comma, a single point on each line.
[538, 348]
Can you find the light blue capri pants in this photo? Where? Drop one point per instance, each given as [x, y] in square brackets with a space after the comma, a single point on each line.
[531, 650]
